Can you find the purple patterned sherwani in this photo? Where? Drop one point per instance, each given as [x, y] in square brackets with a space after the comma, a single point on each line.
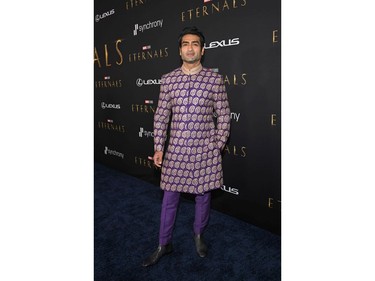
[192, 162]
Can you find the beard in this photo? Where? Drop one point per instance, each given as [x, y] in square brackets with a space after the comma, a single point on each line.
[192, 59]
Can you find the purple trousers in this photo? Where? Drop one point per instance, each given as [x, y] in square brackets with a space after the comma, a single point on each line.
[169, 210]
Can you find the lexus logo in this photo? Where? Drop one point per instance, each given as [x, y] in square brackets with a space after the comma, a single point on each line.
[229, 189]
[110, 105]
[223, 43]
[140, 82]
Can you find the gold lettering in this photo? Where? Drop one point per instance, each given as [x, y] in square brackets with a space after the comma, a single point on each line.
[275, 36]
[273, 119]
[226, 79]
[110, 126]
[270, 202]
[190, 13]
[108, 84]
[119, 52]
[133, 3]
[225, 5]
[217, 8]
[235, 81]
[143, 108]
[234, 150]
[148, 55]
[144, 162]
[205, 11]
[243, 78]
[106, 55]
[227, 149]
[243, 151]
[197, 12]
[96, 57]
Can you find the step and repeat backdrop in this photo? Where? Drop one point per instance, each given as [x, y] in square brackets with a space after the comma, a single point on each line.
[135, 43]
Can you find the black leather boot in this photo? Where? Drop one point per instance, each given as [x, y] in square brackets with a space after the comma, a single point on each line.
[156, 256]
[200, 245]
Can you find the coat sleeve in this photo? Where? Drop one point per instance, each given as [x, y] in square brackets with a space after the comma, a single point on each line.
[221, 106]
[161, 117]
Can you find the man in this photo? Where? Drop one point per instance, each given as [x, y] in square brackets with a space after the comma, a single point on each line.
[192, 162]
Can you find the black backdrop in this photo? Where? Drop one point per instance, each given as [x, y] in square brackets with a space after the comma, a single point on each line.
[136, 42]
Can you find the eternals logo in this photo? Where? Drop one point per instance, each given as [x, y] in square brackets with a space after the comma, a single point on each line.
[130, 4]
[212, 7]
[111, 126]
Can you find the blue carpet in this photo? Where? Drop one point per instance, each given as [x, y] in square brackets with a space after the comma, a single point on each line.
[126, 227]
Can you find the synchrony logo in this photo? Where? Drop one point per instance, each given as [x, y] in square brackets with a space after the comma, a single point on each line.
[223, 43]
[147, 134]
[149, 25]
[141, 82]
[108, 151]
[233, 115]
[104, 15]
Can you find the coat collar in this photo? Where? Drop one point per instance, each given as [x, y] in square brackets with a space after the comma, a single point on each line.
[192, 71]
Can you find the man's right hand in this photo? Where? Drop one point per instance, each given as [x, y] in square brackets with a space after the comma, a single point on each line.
[158, 158]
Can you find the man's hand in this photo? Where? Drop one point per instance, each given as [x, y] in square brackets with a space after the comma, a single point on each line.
[158, 158]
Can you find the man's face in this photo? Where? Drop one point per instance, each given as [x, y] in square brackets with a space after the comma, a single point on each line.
[191, 50]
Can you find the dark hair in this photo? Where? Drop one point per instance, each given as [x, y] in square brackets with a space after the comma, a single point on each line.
[192, 30]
